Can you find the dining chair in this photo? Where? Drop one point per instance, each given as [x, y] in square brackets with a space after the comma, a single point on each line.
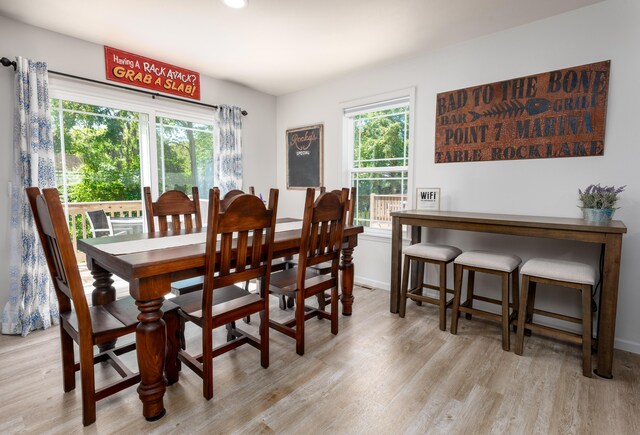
[80, 323]
[100, 224]
[239, 247]
[177, 206]
[321, 241]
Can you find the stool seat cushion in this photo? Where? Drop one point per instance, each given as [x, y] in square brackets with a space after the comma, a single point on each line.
[559, 270]
[489, 260]
[432, 251]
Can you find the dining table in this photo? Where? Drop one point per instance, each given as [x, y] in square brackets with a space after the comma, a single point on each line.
[150, 262]
[608, 235]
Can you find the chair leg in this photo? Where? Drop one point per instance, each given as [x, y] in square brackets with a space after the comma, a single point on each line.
[299, 323]
[264, 336]
[586, 330]
[471, 277]
[88, 385]
[505, 312]
[171, 369]
[420, 279]
[531, 289]
[68, 359]
[334, 310]
[402, 309]
[443, 296]
[522, 315]
[207, 362]
[515, 294]
[457, 289]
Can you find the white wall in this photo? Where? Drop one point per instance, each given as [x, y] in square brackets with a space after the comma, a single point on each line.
[547, 187]
[77, 57]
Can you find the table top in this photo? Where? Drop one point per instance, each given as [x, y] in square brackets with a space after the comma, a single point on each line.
[177, 258]
[545, 222]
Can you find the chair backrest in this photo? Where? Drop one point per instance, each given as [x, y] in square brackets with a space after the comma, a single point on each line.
[177, 206]
[53, 230]
[247, 222]
[100, 224]
[228, 197]
[350, 204]
[322, 228]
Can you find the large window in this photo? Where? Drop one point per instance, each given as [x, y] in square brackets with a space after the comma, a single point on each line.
[109, 146]
[378, 140]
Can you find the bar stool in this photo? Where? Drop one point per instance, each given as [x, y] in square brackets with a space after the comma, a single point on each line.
[492, 263]
[560, 273]
[432, 253]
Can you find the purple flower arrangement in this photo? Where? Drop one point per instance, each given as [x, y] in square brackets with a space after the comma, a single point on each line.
[596, 196]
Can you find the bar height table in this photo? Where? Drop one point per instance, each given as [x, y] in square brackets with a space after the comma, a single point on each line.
[608, 235]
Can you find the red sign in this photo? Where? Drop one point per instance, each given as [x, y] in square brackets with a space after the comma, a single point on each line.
[143, 72]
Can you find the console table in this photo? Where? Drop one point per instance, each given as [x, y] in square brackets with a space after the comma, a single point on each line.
[608, 235]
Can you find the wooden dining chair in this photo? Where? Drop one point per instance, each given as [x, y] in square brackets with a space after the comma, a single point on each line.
[321, 241]
[246, 231]
[173, 210]
[173, 204]
[87, 326]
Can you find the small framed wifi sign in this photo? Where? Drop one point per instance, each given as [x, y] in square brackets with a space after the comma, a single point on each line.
[428, 198]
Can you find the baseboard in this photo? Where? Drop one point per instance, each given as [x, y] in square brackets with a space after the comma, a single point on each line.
[371, 283]
[627, 345]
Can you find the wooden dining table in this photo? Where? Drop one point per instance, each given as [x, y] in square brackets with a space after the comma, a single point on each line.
[150, 273]
[607, 235]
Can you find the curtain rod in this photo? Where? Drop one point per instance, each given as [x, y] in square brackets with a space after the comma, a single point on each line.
[7, 63]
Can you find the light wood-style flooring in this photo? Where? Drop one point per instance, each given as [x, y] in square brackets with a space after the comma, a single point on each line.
[380, 375]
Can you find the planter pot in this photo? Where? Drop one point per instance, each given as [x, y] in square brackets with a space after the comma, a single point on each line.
[598, 215]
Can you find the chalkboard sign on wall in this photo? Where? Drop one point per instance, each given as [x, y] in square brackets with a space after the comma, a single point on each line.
[304, 157]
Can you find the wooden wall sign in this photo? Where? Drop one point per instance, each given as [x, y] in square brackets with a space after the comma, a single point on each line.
[304, 157]
[140, 71]
[554, 114]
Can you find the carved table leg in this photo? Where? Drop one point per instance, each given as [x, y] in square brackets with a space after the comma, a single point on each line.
[103, 293]
[150, 347]
[346, 266]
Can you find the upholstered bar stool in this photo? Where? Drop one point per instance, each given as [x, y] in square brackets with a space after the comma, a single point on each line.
[502, 265]
[560, 273]
[420, 254]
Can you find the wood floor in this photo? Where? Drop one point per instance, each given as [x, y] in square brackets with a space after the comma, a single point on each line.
[380, 375]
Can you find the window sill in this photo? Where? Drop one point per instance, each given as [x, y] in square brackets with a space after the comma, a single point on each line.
[381, 236]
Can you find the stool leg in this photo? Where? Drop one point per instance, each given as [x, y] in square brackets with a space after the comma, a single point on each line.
[443, 296]
[586, 330]
[420, 281]
[402, 309]
[471, 277]
[515, 295]
[522, 315]
[531, 289]
[505, 311]
[457, 289]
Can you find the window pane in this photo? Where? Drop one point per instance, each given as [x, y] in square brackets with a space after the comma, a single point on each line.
[381, 138]
[185, 155]
[378, 194]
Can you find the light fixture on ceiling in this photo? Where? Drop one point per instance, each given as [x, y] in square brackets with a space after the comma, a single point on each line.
[236, 4]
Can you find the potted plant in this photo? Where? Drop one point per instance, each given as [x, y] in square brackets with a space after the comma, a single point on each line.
[598, 202]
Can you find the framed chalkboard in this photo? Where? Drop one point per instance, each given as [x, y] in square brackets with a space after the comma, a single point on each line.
[304, 157]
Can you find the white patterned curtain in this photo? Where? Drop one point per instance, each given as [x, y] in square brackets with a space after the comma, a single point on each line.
[228, 153]
[32, 302]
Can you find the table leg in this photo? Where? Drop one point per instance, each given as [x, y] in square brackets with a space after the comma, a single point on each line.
[103, 293]
[608, 307]
[346, 266]
[416, 237]
[396, 261]
[150, 346]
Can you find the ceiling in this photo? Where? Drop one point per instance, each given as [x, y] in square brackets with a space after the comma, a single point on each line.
[280, 46]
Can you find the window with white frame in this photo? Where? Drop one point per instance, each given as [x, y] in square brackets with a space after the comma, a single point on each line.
[377, 138]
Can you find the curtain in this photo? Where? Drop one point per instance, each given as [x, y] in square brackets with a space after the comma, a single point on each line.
[228, 152]
[32, 302]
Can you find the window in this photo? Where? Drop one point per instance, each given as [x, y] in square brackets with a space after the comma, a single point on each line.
[377, 137]
[106, 151]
